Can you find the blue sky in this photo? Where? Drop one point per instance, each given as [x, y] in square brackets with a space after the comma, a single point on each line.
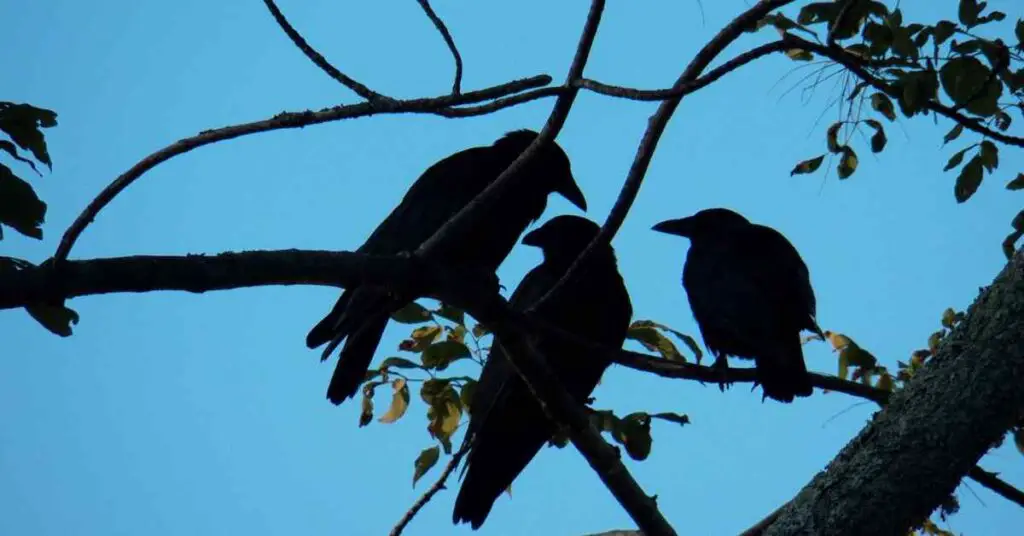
[173, 413]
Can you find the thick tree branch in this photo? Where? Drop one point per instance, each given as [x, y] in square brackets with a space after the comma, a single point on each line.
[289, 120]
[932, 432]
[318, 58]
[448, 40]
[431, 491]
[656, 126]
[857, 67]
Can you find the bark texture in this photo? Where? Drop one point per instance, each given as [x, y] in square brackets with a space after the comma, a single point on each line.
[916, 450]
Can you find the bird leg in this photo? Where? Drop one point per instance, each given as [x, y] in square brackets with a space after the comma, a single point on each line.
[721, 365]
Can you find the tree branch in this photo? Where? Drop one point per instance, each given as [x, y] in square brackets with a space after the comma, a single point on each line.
[934, 430]
[685, 89]
[290, 120]
[431, 491]
[856, 66]
[318, 58]
[656, 126]
[447, 36]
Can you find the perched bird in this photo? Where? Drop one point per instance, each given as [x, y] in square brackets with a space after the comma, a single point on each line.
[751, 295]
[507, 426]
[362, 312]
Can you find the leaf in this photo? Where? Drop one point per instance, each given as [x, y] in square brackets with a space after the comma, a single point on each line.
[1018, 30]
[677, 418]
[882, 104]
[20, 208]
[817, 13]
[969, 180]
[479, 330]
[22, 122]
[1017, 183]
[432, 389]
[848, 163]
[12, 150]
[466, 395]
[799, 54]
[424, 462]
[885, 382]
[444, 419]
[412, 313]
[832, 137]
[878, 139]
[400, 363]
[948, 318]
[634, 433]
[1018, 439]
[965, 80]
[439, 355]
[953, 134]
[644, 332]
[458, 334]
[452, 313]
[989, 155]
[366, 413]
[955, 160]
[943, 30]
[399, 402]
[421, 338]
[969, 11]
[807, 166]
[58, 319]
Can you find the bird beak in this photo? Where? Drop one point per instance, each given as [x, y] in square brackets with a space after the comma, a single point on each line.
[680, 227]
[573, 194]
[533, 238]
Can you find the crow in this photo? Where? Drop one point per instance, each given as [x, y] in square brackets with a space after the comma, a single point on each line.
[507, 426]
[751, 295]
[362, 312]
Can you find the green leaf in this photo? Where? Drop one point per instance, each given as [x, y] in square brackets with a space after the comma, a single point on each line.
[58, 319]
[22, 122]
[832, 137]
[955, 160]
[20, 208]
[424, 462]
[807, 166]
[965, 80]
[817, 13]
[413, 313]
[989, 155]
[953, 134]
[1018, 30]
[399, 363]
[457, 334]
[948, 318]
[969, 11]
[1017, 183]
[399, 402]
[881, 103]
[421, 338]
[943, 30]
[366, 414]
[969, 180]
[433, 389]
[452, 313]
[444, 417]
[480, 330]
[1018, 439]
[634, 433]
[848, 163]
[439, 355]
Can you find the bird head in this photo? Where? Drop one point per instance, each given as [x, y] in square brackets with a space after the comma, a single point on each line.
[552, 163]
[708, 222]
[562, 237]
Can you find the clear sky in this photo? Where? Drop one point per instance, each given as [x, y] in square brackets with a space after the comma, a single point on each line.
[172, 413]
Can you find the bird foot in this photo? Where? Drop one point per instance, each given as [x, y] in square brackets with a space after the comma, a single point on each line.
[721, 365]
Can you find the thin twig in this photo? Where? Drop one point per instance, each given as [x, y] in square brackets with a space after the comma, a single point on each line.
[855, 65]
[318, 58]
[686, 88]
[431, 491]
[656, 126]
[284, 121]
[441, 27]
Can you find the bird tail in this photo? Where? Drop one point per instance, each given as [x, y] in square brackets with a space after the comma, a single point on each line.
[492, 465]
[325, 330]
[783, 375]
[355, 358]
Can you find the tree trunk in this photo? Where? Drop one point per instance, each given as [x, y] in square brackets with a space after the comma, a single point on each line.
[916, 450]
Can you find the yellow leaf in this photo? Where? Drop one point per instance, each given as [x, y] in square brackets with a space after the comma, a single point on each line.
[399, 402]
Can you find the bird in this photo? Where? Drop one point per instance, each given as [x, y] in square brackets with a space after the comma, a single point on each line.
[507, 425]
[361, 313]
[750, 293]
